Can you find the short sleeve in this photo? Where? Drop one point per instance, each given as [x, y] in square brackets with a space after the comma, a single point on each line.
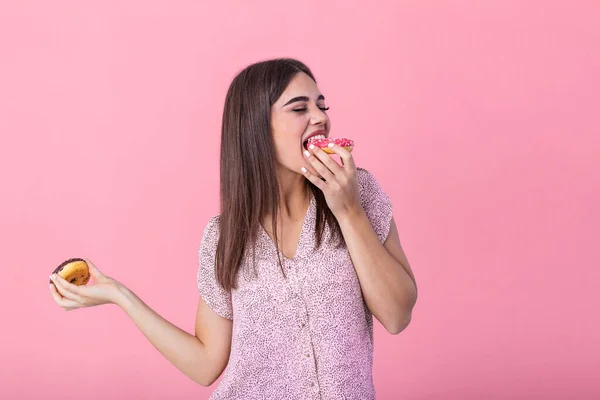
[375, 202]
[217, 298]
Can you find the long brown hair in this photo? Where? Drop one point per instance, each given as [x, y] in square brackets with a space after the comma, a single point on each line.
[249, 186]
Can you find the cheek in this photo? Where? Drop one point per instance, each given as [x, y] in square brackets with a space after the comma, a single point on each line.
[288, 149]
[288, 138]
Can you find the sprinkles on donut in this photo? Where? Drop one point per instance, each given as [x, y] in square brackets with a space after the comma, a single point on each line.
[323, 143]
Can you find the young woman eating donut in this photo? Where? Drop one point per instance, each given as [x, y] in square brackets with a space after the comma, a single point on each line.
[303, 254]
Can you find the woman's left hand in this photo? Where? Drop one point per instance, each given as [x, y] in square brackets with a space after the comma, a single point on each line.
[340, 186]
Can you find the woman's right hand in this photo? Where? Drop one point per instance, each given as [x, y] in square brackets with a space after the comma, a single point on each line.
[104, 290]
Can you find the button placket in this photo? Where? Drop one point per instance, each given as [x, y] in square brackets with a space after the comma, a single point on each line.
[300, 276]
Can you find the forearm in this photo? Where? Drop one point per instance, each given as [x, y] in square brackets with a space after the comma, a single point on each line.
[184, 350]
[388, 289]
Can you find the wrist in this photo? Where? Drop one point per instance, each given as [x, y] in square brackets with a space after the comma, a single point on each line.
[123, 297]
[351, 215]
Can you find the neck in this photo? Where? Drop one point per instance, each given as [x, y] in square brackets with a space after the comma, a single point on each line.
[294, 194]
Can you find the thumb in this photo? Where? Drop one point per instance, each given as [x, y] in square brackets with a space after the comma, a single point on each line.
[94, 272]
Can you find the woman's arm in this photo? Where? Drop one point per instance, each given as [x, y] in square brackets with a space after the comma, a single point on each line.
[386, 279]
[387, 282]
[202, 357]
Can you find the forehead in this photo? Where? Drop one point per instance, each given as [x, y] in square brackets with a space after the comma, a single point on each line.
[300, 85]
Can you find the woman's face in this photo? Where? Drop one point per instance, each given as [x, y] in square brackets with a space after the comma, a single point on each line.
[298, 114]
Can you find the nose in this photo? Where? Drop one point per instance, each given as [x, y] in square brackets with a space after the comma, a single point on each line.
[317, 116]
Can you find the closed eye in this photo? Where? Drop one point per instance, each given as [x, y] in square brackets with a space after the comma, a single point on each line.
[305, 109]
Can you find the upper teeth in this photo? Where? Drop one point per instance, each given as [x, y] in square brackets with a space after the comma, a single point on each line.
[318, 137]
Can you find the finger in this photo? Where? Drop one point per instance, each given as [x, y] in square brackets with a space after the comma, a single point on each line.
[318, 166]
[308, 157]
[65, 303]
[345, 156]
[63, 294]
[312, 169]
[94, 271]
[317, 181]
[55, 293]
[306, 153]
[68, 290]
[329, 162]
[92, 266]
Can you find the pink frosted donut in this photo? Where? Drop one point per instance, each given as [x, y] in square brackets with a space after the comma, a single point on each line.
[323, 144]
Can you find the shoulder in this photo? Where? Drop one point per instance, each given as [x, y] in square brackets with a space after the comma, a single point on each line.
[207, 251]
[368, 185]
[212, 225]
[376, 202]
[363, 176]
[211, 291]
[210, 235]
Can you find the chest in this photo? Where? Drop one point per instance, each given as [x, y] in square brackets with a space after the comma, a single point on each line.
[319, 280]
[288, 236]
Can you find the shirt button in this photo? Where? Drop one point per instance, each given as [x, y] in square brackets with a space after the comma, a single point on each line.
[308, 355]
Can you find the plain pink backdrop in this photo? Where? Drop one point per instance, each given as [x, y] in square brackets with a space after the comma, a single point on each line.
[479, 118]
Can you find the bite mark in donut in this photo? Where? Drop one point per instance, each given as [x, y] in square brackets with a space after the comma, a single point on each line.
[323, 144]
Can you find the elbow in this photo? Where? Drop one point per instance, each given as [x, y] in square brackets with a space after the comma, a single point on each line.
[206, 377]
[398, 324]
[204, 383]
[209, 376]
[207, 370]
[401, 319]
[205, 380]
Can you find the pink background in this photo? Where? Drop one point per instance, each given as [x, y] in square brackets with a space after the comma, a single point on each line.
[480, 119]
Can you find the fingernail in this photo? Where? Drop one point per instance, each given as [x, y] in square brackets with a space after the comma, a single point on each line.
[52, 276]
[312, 146]
[306, 153]
[304, 169]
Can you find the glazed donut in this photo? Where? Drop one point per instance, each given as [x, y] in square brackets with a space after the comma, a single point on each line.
[323, 144]
[73, 270]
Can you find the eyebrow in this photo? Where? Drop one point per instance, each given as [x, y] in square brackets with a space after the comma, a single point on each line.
[302, 98]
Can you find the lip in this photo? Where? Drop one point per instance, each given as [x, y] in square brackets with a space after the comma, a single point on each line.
[315, 133]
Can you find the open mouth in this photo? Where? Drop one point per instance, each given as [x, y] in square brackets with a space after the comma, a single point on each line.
[313, 138]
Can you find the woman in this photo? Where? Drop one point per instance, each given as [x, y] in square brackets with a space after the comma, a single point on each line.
[304, 252]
